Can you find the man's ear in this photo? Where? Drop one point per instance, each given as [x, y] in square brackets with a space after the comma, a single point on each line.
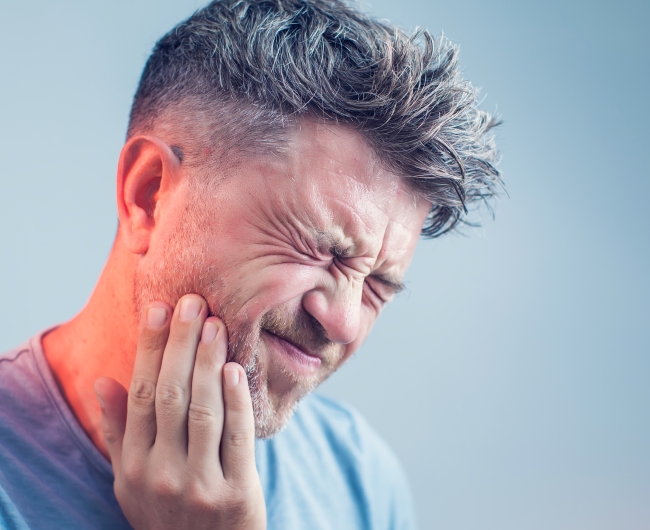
[148, 169]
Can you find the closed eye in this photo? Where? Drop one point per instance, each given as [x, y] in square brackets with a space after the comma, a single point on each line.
[391, 285]
[384, 289]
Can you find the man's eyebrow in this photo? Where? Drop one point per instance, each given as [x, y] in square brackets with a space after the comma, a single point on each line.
[395, 285]
[331, 243]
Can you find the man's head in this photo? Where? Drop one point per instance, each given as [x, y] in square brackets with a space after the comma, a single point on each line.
[282, 159]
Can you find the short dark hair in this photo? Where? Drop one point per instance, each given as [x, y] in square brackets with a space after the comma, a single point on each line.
[266, 63]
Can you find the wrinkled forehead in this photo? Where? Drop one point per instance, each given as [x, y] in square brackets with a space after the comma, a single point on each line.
[330, 181]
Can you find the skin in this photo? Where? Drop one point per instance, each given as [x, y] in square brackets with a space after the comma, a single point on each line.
[297, 254]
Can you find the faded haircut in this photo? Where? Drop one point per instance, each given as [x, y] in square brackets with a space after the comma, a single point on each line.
[237, 73]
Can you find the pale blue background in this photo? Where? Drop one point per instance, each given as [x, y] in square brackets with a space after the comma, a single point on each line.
[513, 379]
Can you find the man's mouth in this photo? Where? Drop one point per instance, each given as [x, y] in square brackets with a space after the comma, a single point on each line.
[302, 360]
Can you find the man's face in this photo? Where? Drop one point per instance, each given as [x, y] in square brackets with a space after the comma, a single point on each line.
[296, 253]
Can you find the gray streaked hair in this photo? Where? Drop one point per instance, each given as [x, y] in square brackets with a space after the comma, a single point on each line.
[237, 72]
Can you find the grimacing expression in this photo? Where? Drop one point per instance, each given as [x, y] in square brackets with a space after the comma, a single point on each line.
[297, 254]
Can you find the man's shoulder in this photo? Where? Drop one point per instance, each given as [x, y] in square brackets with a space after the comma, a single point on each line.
[23, 358]
[9, 359]
[26, 407]
[51, 476]
[19, 377]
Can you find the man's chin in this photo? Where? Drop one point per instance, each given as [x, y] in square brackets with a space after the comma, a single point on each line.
[276, 392]
[276, 422]
[273, 412]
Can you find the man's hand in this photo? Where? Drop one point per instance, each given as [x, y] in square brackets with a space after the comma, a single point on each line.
[182, 443]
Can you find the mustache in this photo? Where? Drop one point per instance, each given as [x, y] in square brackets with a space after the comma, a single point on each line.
[300, 328]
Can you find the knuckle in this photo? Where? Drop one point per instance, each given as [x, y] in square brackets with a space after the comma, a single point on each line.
[166, 487]
[110, 436]
[171, 394]
[238, 439]
[236, 506]
[143, 392]
[201, 414]
[132, 472]
[200, 500]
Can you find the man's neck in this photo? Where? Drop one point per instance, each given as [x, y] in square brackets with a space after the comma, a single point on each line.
[100, 341]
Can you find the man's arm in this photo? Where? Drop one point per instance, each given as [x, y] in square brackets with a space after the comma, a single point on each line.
[181, 443]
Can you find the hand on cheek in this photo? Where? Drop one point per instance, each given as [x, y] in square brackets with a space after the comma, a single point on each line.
[182, 444]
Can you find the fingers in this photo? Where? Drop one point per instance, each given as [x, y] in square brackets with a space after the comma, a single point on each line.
[141, 418]
[238, 441]
[182, 390]
[112, 397]
[205, 414]
[173, 390]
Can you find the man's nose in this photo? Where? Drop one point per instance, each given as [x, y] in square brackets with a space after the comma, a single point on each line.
[337, 308]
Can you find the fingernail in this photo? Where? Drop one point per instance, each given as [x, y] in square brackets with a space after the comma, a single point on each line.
[156, 317]
[101, 401]
[209, 332]
[231, 377]
[190, 309]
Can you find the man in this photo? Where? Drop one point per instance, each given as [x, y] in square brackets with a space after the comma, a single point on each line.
[281, 161]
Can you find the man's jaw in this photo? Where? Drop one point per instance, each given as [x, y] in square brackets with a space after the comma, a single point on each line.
[275, 388]
[287, 370]
[284, 362]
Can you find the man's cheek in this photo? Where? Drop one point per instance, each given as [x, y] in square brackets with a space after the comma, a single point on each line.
[261, 289]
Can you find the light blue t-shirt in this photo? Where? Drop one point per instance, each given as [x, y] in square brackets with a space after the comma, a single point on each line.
[327, 470]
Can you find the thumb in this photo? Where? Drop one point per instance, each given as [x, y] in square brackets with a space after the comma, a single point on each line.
[112, 397]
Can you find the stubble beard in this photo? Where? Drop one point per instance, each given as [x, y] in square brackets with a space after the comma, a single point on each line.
[243, 348]
[181, 270]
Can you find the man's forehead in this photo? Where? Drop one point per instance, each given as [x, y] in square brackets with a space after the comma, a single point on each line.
[333, 167]
[338, 143]
[329, 189]
[336, 158]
